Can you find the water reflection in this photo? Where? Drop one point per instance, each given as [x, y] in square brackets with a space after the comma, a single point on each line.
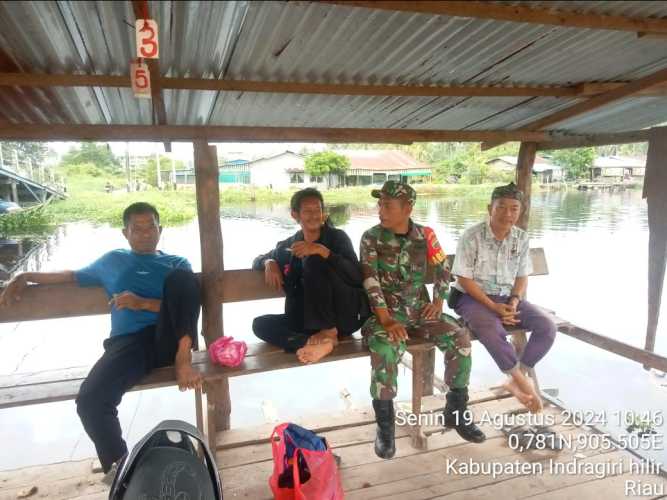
[25, 254]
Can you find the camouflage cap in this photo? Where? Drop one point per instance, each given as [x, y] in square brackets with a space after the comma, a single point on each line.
[396, 189]
[508, 191]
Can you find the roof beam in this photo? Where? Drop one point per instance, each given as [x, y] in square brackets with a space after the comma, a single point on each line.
[583, 89]
[141, 11]
[588, 140]
[588, 89]
[186, 133]
[54, 80]
[517, 13]
[21, 99]
[591, 104]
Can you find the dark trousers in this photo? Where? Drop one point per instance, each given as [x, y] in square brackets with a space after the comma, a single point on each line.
[326, 301]
[129, 358]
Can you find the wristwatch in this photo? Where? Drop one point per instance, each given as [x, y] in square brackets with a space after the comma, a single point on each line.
[514, 296]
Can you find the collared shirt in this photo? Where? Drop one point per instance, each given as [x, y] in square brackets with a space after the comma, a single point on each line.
[494, 265]
[395, 266]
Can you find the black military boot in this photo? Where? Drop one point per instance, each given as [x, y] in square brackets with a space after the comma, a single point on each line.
[457, 417]
[384, 440]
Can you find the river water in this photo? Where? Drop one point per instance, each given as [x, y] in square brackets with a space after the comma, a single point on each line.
[596, 248]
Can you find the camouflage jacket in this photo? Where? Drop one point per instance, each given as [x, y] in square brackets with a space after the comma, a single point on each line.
[394, 267]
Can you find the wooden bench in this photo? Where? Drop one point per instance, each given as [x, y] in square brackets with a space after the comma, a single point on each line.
[240, 285]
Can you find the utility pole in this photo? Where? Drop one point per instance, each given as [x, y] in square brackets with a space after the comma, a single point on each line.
[157, 166]
[127, 166]
[173, 171]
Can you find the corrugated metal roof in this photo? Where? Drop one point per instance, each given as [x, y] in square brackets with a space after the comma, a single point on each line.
[382, 160]
[313, 42]
[618, 162]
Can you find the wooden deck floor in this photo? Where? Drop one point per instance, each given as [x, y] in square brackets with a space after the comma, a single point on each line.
[244, 459]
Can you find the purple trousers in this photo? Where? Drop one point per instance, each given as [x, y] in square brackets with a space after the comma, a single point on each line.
[487, 327]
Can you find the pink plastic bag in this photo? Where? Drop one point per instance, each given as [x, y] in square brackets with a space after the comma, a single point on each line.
[227, 352]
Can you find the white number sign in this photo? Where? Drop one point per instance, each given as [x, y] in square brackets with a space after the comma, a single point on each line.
[146, 35]
[141, 80]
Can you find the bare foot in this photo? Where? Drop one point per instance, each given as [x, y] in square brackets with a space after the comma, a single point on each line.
[315, 352]
[186, 376]
[525, 385]
[512, 387]
[323, 336]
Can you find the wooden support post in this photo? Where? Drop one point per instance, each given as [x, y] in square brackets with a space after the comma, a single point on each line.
[524, 178]
[417, 437]
[655, 184]
[210, 236]
[199, 413]
[524, 181]
[429, 371]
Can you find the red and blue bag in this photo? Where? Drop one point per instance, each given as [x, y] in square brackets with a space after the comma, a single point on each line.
[304, 467]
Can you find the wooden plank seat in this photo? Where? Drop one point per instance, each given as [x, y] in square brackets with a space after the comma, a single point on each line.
[62, 385]
[239, 285]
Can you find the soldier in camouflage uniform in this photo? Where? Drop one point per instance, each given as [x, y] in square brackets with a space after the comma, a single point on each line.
[395, 255]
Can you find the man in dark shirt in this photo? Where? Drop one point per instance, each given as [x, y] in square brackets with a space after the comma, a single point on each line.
[155, 301]
[320, 274]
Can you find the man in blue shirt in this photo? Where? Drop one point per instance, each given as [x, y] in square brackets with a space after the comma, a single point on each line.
[155, 301]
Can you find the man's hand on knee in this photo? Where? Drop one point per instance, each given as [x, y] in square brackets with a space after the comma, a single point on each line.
[508, 314]
[432, 310]
[303, 249]
[395, 330]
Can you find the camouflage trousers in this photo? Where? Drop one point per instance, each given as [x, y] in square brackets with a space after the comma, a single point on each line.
[448, 336]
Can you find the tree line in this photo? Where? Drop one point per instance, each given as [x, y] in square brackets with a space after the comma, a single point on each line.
[465, 162]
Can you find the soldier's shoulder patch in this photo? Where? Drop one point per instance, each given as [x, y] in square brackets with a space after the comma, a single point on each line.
[435, 253]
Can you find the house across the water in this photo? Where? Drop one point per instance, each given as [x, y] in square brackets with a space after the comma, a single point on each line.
[375, 166]
[287, 169]
[608, 168]
[544, 170]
